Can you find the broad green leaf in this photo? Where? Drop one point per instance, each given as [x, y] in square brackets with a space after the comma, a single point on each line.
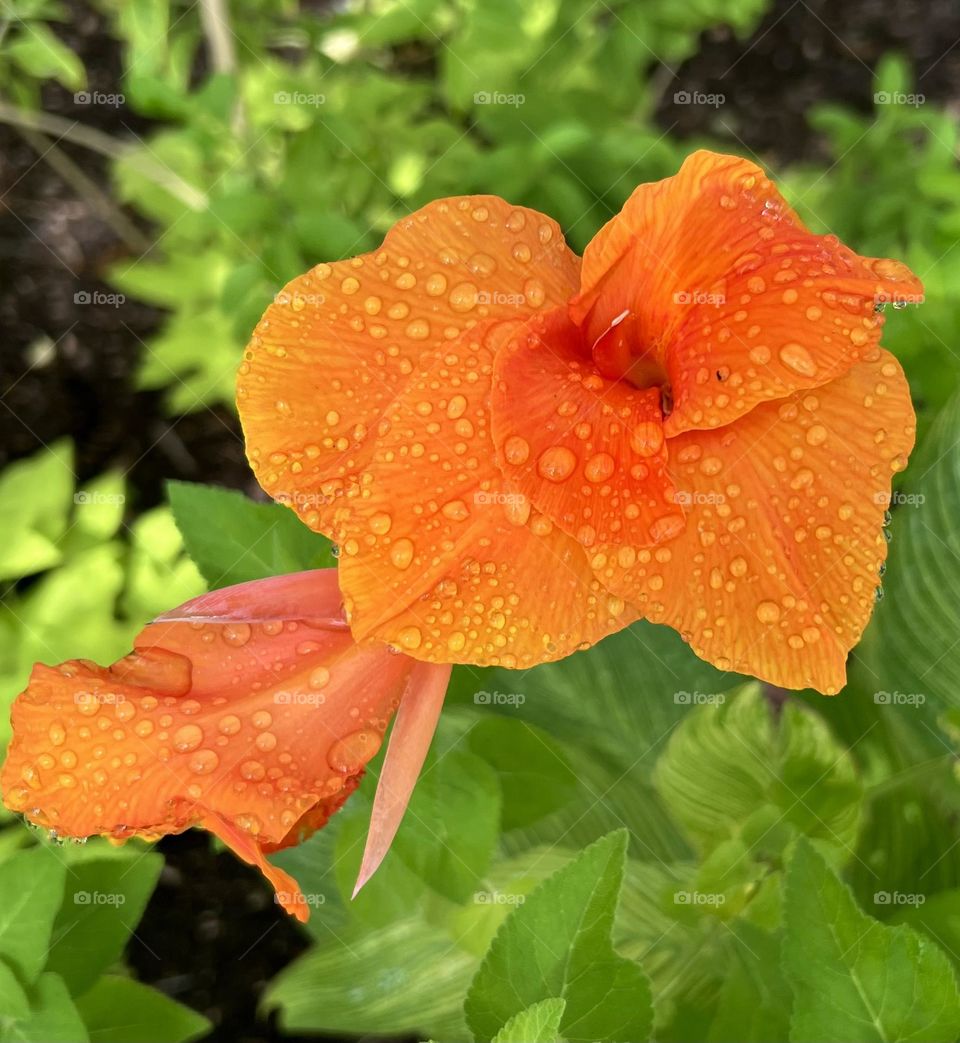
[539, 1023]
[534, 774]
[733, 770]
[13, 1000]
[52, 1018]
[557, 945]
[405, 978]
[451, 825]
[913, 647]
[32, 884]
[854, 978]
[119, 1010]
[37, 51]
[233, 539]
[105, 894]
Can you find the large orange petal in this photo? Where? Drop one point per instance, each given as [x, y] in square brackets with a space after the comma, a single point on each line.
[444, 558]
[256, 731]
[341, 342]
[729, 293]
[776, 572]
[588, 452]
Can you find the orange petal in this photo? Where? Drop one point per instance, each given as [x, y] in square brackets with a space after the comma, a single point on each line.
[444, 558]
[406, 751]
[341, 342]
[776, 572]
[252, 730]
[588, 452]
[729, 293]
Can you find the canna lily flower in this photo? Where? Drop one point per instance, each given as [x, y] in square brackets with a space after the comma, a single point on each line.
[519, 453]
[249, 712]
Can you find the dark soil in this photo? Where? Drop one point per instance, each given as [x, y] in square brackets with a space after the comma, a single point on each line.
[211, 936]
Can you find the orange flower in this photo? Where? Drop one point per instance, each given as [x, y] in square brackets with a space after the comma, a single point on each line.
[249, 712]
[518, 457]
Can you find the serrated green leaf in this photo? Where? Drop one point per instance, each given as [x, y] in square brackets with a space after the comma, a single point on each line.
[557, 944]
[118, 1010]
[539, 1023]
[854, 978]
[233, 539]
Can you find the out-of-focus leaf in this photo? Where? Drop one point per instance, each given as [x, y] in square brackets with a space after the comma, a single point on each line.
[37, 51]
[118, 1010]
[233, 539]
[53, 1017]
[32, 887]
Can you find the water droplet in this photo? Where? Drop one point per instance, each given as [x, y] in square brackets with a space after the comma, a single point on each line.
[349, 754]
[516, 450]
[187, 738]
[556, 464]
[768, 612]
[236, 634]
[229, 725]
[599, 467]
[797, 358]
[203, 762]
[401, 553]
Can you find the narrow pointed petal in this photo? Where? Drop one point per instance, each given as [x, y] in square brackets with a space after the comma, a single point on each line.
[410, 739]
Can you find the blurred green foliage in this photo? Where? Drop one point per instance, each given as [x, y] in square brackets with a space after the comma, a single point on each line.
[625, 843]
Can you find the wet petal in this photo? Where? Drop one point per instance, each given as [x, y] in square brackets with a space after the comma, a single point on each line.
[730, 294]
[776, 572]
[441, 556]
[252, 730]
[588, 452]
[410, 739]
[341, 342]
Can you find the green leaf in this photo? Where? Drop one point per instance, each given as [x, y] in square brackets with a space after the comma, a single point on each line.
[233, 539]
[913, 646]
[32, 887]
[118, 1010]
[41, 54]
[451, 825]
[405, 978]
[557, 944]
[534, 774]
[539, 1023]
[104, 897]
[854, 978]
[13, 1000]
[52, 1018]
[732, 771]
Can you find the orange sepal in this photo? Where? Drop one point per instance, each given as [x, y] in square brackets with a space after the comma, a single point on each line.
[776, 572]
[588, 452]
[256, 731]
[728, 292]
